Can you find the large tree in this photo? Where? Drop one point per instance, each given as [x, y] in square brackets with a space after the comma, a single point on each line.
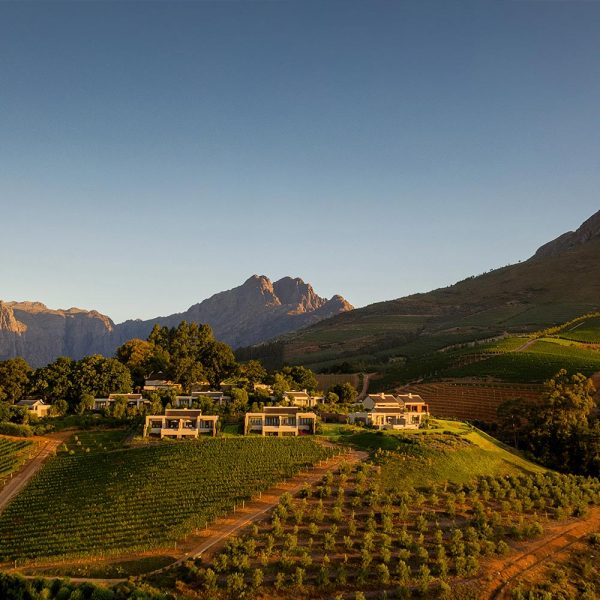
[55, 381]
[14, 379]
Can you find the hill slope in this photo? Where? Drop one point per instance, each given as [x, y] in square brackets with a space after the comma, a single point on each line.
[248, 314]
[560, 282]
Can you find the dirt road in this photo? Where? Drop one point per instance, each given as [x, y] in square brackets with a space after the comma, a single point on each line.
[46, 447]
[506, 572]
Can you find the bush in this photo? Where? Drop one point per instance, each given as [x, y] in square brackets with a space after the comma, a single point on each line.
[7, 428]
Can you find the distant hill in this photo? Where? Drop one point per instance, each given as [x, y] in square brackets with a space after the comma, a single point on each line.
[248, 314]
[560, 282]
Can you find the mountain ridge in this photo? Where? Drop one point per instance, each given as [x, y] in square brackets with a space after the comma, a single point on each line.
[558, 282]
[247, 314]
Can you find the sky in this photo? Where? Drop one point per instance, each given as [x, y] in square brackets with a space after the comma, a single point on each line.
[155, 153]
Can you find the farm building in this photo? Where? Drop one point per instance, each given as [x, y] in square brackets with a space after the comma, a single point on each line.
[280, 421]
[35, 407]
[180, 423]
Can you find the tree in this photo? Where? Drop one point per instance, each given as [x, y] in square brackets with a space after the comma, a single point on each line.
[136, 355]
[238, 402]
[253, 371]
[14, 379]
[55, 381]
[99, 377]
[59, 408]
[302, 378]
[345, 392]
[560, 420]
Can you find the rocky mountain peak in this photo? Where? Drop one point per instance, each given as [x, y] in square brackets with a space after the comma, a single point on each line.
[588, 231]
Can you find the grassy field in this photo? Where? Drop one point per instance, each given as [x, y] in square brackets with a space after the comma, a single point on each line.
[452, 452]
[366, 531]
[12, 454]
[93, 498]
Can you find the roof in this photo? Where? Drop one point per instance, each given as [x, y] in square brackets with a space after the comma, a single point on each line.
[30, 402]
[382, 397]
[128, 396]
[413, 398]
[298, 394]
[387, 411]
[182, 412]
[281, 410]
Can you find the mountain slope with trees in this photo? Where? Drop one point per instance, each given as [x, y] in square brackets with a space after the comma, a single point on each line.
[560, 282]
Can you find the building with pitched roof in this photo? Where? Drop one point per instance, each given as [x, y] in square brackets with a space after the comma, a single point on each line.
[35, 407]
[386, 411]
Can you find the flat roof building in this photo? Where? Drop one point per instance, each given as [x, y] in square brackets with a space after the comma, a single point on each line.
[280, 421]
[180, 423]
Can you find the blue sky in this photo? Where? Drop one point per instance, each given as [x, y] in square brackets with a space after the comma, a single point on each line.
[152, 154]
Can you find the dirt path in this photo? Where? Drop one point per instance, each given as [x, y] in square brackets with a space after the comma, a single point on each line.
[365, 387]
[526, 345]
[210, 540]
[255, 510]
[47, 447]
[532, 555]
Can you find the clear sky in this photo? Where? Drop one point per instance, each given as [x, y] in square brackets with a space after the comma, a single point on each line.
[154, 153]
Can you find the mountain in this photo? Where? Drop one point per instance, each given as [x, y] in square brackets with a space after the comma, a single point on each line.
[248, 314]
[559, 282]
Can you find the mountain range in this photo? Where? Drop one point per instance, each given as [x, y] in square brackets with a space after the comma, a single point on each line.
[248, 314]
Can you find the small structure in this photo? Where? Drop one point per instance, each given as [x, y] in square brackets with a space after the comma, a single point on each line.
[180, 423]
[406, 411]
[133, 401]
[188, 401]
[302, 399]
[35, 407]
[158, 381]
[280, 421]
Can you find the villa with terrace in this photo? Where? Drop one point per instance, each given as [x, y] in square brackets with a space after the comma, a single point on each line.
[280, 421]
[180, 423]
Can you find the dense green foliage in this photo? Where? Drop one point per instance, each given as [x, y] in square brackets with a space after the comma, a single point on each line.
[14, 587]
[89, 500]
[561, 428]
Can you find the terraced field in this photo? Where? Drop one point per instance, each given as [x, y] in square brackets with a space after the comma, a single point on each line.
[12, 454]
[471, 400]
[89, 501]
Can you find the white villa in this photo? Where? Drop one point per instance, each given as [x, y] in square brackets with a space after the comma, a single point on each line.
[302, 399]
[133, 401]
[180, 424]
[188, 401]
[35, 407]
[385, 411]
[280, 421]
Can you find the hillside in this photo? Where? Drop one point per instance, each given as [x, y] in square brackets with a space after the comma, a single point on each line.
[560, 282]
[248, 314]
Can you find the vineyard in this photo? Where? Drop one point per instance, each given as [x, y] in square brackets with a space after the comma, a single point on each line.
[12, 454]
[471, 400]
[361, 532]
[587, 332]
[538, 362]
[90, 501]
